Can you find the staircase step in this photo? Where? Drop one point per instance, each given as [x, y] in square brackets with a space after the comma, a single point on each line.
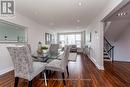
[107, 58]
[105, 53]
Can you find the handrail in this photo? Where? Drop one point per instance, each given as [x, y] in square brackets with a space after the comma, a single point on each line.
[109, 48]
[107, 41]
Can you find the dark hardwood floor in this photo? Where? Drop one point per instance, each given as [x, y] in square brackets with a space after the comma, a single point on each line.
[83, 73]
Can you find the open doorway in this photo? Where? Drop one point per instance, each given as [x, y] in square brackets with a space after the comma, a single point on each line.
[116, 35]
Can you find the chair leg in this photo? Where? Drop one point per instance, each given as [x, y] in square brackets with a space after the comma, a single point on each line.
[45, 78]
[63, 77]
[46, 71]
[16, 81]
[29, 83]
[67, 70]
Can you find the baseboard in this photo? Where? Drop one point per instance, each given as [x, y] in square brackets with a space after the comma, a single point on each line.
[6, 70]
[123, 60]
[98, 66]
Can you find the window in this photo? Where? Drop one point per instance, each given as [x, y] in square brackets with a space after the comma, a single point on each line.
[70, 39]
[48, 38]
[61, 39]
[78, 40]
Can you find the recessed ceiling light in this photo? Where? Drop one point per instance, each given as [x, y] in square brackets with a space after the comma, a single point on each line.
[80, 4]
[121, 14]
[78, 20]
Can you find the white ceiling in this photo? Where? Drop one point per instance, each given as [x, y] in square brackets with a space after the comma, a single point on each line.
[116, 29]
[125, 9]
[61, 14]
[119, 24]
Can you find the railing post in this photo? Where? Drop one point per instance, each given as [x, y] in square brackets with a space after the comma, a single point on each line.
[113, 54]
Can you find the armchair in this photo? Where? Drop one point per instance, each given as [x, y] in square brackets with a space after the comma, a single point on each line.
[73, 48]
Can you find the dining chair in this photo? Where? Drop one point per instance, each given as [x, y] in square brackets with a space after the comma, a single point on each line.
[60, 65]
[53, 49]
[62, 56]
[29, 46]
[24, 67]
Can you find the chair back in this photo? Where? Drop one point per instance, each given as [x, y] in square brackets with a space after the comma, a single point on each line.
[29, 46]
[53, 49]
[22, 61]
[65, 56]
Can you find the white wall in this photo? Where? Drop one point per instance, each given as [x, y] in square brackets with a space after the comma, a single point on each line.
[35, 34]
[96, 45]
[122, 47]
[35, 31]
[6, 64]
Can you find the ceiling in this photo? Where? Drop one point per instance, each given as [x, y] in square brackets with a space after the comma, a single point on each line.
[116, 29]
[119, 23]
[61, 14]
[117, 15]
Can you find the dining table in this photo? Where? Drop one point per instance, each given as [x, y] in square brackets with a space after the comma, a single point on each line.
[47, 57]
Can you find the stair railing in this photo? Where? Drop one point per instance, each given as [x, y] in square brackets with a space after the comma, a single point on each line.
[109, 49]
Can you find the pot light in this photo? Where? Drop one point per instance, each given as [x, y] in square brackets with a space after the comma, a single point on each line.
[78, 21]
[121, 14]
[80, 4]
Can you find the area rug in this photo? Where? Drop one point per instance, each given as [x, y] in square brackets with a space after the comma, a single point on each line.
[72, 57]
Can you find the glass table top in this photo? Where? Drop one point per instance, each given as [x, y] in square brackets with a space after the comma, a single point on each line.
[46, 58]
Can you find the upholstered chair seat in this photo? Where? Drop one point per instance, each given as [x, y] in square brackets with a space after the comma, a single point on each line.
[55, 65]
[37, 68]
